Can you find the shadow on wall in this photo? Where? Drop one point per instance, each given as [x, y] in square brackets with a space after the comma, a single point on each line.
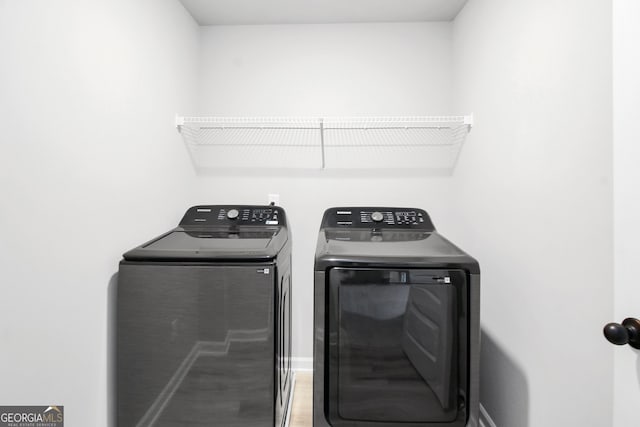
[504, 392]
[112, 293]
[637, 352]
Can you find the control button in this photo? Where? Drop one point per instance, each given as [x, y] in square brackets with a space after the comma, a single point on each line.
[233, 213]
[377, 216]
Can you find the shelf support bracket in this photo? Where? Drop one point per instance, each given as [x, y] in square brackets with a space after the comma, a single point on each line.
[468, 120]
[179, 122]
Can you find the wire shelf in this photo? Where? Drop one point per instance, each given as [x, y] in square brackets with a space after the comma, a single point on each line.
[432, 142]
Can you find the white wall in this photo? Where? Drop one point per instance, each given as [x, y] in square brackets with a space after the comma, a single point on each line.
[626, 154]
[334, 69]
[307, 70]
[533, 202]
[90, 166]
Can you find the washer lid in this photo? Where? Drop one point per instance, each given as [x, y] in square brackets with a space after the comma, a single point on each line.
[207, 244]
[212, 241]
[219, 232]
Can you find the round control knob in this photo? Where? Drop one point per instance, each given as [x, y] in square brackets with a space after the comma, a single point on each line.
[626, 333]
[377, 216]
[233, 214]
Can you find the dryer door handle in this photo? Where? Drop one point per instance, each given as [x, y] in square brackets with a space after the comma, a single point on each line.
[626, 333]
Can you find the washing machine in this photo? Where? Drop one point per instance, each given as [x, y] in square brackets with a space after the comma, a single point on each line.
[204, 322]
[396, 322]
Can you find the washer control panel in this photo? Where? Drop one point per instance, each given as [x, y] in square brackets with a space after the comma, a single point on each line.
[230, 215]
[377, 217]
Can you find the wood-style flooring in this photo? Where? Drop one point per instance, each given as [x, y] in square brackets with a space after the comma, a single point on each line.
[302, 412]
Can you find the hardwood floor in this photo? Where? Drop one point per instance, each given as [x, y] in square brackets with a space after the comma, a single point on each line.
[302, 412]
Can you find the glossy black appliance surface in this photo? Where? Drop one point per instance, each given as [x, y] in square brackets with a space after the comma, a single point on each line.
[220, 232]
[396, 322]
[204, 331]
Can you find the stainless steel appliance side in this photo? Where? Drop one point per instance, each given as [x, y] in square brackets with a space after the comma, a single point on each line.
[283, 371]
[319, 303]
[473, 404]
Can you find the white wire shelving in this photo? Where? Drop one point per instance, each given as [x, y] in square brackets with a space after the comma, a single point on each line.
[422, 142]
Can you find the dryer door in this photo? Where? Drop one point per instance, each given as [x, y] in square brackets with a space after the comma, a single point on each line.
[397, 346]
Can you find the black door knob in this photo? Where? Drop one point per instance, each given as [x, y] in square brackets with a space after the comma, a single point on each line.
[627, 333]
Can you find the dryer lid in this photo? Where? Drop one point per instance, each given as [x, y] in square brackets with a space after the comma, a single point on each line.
[379, 236]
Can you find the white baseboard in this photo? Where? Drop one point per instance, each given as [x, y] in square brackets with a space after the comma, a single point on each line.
[485, 419]
[302, 363]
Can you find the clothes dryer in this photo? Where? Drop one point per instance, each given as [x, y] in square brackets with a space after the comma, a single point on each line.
[204, 322]
[396, 322]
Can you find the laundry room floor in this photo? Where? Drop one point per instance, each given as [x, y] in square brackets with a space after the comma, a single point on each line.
[301, 412]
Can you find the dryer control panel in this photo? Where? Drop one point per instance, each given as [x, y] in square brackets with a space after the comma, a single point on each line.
[377, 217]
[231, 215]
